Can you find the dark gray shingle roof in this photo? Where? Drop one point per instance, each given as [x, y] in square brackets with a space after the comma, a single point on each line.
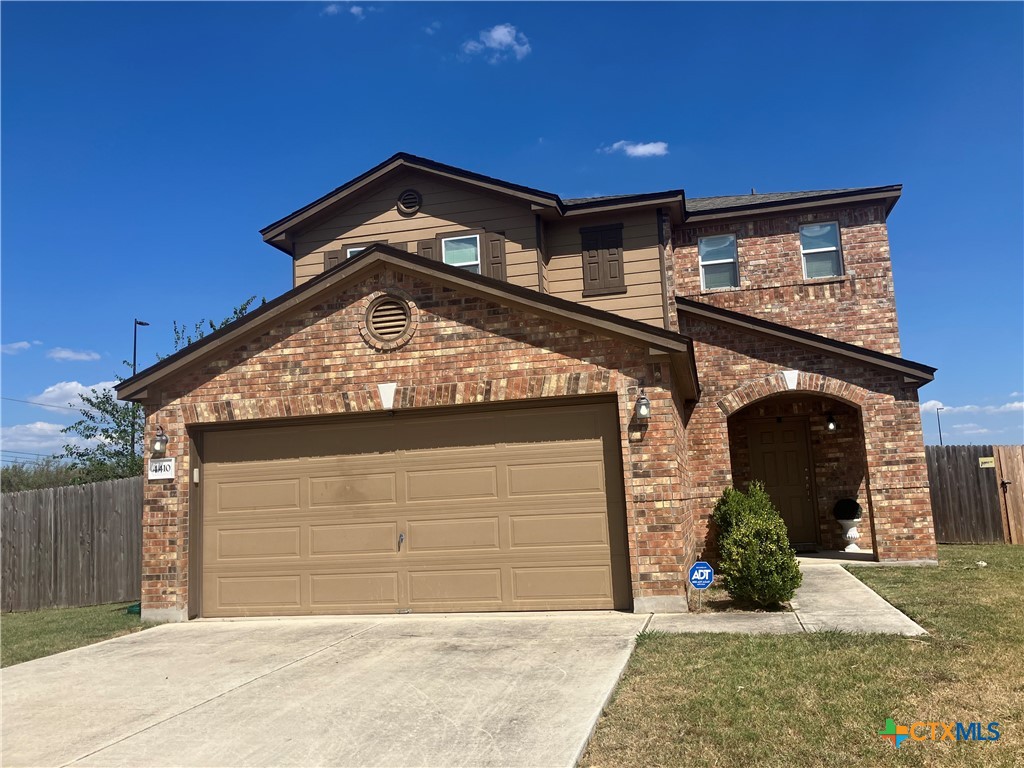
[725, 202]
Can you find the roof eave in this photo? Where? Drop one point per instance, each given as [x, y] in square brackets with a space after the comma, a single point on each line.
[399, 160]
[890, 194]
[596, 320]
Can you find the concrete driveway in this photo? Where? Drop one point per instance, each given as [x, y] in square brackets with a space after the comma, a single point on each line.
[447, 690]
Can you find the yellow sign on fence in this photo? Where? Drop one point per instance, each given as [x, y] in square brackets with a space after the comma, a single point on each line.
[987, 462]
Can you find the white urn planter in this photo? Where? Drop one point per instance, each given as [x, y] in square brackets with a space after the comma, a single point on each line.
[850, 534]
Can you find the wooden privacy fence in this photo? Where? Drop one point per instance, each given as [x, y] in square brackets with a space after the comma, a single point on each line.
[977, 493]
[71, 546]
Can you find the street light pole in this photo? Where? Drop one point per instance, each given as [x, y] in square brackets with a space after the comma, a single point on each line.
[135, 355]
[135, 343]
[939, 420]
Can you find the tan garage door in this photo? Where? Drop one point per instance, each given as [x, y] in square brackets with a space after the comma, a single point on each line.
[480, 511]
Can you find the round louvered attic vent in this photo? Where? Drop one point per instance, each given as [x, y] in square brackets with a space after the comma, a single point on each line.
[387, 318]
[409, 202]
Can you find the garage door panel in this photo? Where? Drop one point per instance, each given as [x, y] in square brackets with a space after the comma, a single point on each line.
[557, 477]
[451, 484]
[500, 510]
[562, 583]
[456, 534]
[353, 539]
[353, 490]
[455, 586]
[248, 496]
[354, 589]
[257, 592]
[257, 543]
[547, 530]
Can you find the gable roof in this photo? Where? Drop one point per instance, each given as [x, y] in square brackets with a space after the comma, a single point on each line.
[678, 347]
[908, 368]
[277, 234]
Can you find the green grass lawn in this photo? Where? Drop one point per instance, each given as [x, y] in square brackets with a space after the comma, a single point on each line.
[820, 699]
[27, 636]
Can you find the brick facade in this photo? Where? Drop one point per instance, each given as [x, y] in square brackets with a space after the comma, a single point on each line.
[463, 350]
[740, 371]
[858, 308]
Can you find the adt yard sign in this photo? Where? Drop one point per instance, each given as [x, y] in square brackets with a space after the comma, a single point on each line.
[701, 575]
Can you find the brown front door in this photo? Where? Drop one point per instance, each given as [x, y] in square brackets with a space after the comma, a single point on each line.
[780, 458]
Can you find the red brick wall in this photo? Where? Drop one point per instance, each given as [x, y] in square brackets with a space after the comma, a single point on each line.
[738, 369]
[464, 350]
[858, 308]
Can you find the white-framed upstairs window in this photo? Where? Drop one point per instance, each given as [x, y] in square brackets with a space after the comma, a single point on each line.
[821, 250]
[462, 251]
[718, 262]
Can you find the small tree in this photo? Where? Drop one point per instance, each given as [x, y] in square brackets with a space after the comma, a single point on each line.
[113, 430]
[114, 433]
[757, 564]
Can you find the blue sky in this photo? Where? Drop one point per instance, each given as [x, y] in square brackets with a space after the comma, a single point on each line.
[144, 145]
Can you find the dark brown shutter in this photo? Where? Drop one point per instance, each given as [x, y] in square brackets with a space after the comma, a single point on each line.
[611, 253]
[493, 261]
[427, 249]
[591, 261]
[332, 259]
[602, 259]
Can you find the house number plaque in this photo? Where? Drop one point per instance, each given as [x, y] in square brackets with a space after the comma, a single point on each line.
[161, 469]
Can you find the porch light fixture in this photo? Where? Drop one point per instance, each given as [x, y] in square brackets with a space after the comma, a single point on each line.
[160, 440]
[643, 407]
[830, 423]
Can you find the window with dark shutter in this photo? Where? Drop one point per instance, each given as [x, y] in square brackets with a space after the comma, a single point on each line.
[602, 260]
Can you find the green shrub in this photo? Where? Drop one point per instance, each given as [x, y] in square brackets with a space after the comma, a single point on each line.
[757, 564]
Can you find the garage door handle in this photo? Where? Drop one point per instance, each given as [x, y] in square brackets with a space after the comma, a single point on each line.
[401, 538]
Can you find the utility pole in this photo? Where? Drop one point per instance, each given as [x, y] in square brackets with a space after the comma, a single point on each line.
[939, 420]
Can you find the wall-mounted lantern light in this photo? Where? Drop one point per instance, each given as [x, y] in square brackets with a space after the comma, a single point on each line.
[160, 440]
[830, 423]
[643, 407]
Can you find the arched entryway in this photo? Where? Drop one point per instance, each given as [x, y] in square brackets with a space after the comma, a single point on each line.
[806, 465]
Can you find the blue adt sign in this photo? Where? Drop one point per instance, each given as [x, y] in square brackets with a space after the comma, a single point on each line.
[701, 575]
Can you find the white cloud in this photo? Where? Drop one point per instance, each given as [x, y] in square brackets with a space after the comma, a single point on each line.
[432, 28]
[1017, 394]
[330, 10]
[931, 405]
[974, 429]
[63, 353]
[499, 41]
[357, 11]
[14, 347]
[37, 437]
[638, 149]
[65, 393]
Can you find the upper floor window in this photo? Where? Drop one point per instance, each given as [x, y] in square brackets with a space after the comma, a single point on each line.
[348, 251]
[819, 244]
[718, 267]
[475, 250]
[462, 252]
[602, 260]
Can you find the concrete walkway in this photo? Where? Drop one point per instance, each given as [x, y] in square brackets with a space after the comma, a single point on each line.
[829, 598]
[442, 690]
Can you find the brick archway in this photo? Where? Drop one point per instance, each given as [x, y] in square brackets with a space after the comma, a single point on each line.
[792, 381]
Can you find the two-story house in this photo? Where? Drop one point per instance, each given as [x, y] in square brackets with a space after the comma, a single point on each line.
[479, 396]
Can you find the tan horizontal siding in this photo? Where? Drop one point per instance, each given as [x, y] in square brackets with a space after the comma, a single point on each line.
[644, 296]
[447, 207]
